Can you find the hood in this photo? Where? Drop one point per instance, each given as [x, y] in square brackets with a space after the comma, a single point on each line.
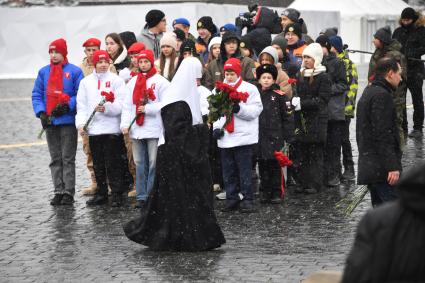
[394, 46]
[411, 189]
[226, 36]
[272, 52]
[420, 22]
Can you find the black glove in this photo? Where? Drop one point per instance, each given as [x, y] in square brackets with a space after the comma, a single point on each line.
[44, 120]
[60, 110]
[218, 134]
[236, 108]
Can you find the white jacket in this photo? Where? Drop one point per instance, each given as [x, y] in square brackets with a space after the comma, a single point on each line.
[152, 125]
[246, 120]
[88, 97]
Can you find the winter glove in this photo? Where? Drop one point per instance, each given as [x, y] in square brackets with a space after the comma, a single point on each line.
[236, 108]
[218, 134]
[44, 120]
[60, 110]
[296, 103]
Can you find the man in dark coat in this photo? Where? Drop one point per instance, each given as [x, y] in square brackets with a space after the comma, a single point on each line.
[336, 109]
[389, 245]
[377, 134]
[411, 35]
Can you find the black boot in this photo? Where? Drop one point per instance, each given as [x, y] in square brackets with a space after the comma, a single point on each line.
[349, 173]
[265, 197]
[56, 200]
[247, 206]
[116, 200]
[276, 199]
[98, 200]
[231, 205]
[67, 200]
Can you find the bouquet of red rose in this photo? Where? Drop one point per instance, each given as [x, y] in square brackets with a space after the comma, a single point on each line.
[106, 97]
[149, 94]
[284, 161]
[221, 104]
[60, 108]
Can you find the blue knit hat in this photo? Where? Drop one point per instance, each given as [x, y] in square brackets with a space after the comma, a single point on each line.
[228, 27]
[182, 21]
[336, 42]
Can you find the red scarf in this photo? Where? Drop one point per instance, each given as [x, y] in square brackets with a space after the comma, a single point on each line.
[230, 127]
[54, 85]
[140, 96]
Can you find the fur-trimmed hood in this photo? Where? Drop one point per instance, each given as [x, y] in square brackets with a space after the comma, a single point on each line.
[420, 22]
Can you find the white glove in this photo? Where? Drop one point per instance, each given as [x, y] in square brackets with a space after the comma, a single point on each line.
[296, 103]
[125, 74]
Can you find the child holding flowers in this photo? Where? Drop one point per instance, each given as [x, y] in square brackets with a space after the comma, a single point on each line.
[99, 103]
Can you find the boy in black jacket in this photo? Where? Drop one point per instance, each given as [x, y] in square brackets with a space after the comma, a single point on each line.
[276, 127]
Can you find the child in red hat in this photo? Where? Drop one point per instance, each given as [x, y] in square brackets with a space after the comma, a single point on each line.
[54, 102]
[236, 142]
[142, 105]
[105, 139]
[133, 69]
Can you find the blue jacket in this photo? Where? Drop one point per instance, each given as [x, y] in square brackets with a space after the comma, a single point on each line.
[72, 75]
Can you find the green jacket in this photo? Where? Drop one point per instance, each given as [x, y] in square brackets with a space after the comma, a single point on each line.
[352, 80]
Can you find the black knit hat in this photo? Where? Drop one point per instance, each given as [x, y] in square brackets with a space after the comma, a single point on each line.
[324, 41]
[128, 37]
[188, 45]
[295, 28]
[281, 42]
[206, 22]
[245, 42]
[291, 14]
[180, 34]
[409, 13]
[153, 17]
[266, 68]
[384, 35]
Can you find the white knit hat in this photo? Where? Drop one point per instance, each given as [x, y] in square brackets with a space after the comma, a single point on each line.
[214, 40]
[169, 38]
[272, 52]
[315, 51]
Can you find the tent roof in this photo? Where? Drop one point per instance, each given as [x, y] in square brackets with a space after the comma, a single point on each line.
[352, 8]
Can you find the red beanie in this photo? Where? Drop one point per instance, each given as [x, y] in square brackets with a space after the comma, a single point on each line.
[92, 42]
[59, 45]
[135, 48]
[233, 64]
[100, 54]
[146, 54]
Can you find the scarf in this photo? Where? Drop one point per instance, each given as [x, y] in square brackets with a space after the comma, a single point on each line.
[54, 85]
[230, 126]
[140, 96]
[313, 72]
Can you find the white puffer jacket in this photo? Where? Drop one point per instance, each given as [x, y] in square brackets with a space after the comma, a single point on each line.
[246, 120]
[152, 125]
[88, 97]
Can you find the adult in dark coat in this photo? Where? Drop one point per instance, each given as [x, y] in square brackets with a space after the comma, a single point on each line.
[377, 134]
[179, 215]
[311, 121]
[411, 35]
[389, 245]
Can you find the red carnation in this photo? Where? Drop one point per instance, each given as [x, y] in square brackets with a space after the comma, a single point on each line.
[282, 159]
[63, 98]
[292, 81]
[109, 96]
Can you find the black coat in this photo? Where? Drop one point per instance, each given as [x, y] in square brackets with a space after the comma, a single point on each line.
[412, 39]
[377, 134]
[311, 123]
[179, 214]
[335, 67]
[276, 125]
[389, 245]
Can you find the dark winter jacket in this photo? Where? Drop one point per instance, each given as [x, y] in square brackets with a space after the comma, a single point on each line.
[377, 134]
[276, 124]
[389, 245]
[412, 39]
[336, 69]
[311, 123]
[215, 69]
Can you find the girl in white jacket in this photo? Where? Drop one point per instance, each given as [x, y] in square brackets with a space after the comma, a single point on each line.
[142, 104]
[236, 146]
[105, 138]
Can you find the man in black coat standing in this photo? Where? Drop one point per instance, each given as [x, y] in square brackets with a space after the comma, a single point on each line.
[377, 135]
[411, 35]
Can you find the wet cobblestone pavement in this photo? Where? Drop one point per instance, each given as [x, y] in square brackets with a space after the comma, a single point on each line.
[41, 243]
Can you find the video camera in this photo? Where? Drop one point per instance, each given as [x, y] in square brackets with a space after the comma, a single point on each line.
[246, 19]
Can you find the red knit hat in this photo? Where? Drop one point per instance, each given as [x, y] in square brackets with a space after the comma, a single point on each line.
[59, 45]
[99, 55]
[233, 64]
[92, 42]
[146, 54]
[135, 48]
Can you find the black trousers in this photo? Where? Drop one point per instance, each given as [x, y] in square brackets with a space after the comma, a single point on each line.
[270, 176]
[333, 148]
[347, 152]
[309, 165]
[414, 84]
[107, 152]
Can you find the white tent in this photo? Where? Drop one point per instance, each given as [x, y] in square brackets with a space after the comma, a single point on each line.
[359, 19]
